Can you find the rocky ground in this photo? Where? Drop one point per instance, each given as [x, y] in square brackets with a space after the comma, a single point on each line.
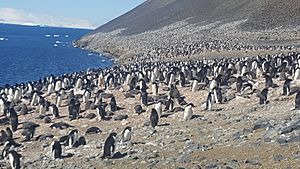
[238, 133]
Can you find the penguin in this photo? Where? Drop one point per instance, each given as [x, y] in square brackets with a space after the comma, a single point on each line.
[188, 112]
[181, 80]
[42, 108]
[169, 104]
[9, 133]
[126, 135]
[263, 95]
[217, 94]
[34, 99]
[174, 92]
[72, 138]
[195, 86]
[209, 101]
[138, 109]
[74, 109]
[297, 101]
[58, 100]
[3, 137]
[239, 84]
[24, 109]
[154, 87]
[286, 89]
[2, 106]
[56, 150]
[54, 111]
[144, 98]
[101, 112]
[14, 159]
[109, 146]
[13, 119]
[28, 133]
[50, 88]
[142, 85]
[268, 81]
[158, 108]
[113, 104]
[153, 118]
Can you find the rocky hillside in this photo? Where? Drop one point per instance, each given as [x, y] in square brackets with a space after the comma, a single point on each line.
[162, 23]
[154, 14]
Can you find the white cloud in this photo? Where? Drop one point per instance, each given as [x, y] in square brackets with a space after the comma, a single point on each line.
[14, 16]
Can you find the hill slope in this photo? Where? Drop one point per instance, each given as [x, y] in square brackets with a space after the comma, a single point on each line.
[154, 14]
[173, 25]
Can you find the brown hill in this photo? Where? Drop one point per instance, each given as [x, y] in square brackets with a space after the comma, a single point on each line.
[154, 14]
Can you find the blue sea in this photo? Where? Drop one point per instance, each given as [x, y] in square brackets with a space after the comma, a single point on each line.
[28, 53]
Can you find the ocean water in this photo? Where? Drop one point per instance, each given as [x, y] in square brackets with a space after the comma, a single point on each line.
[28, 53]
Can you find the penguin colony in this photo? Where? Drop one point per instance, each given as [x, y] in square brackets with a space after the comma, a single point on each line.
[91, 91]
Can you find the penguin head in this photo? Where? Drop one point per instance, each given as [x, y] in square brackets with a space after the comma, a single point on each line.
[190, 104]
[128, 128]
[113, 134]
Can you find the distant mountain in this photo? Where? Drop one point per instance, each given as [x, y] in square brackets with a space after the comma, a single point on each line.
[154, 14]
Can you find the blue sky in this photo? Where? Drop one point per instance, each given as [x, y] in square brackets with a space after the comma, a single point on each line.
[76, 13]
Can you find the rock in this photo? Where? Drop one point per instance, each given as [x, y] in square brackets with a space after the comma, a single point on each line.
[292, 127]
[261, 125]
[93, 130]
[212, 165]
[278, 157]
[120, 117]
[253, 161]
[90, 116]
[47, 120]
[184, 158]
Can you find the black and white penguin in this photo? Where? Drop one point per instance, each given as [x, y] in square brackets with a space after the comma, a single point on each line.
[297, 101]
[14, 159]
[188, 112]
[34, 100]
[174, 92]
[144, 98]
[54, 111]
[109, 146]
[158, 108]
[195, 86]
[181, 79]
[101, 113]
[286, 89]
[262, 95]
[59, 100]
[2, 106]
[126, 135]
[142, 85]
[154, 118]
[72, 138]
[24, 109]
[3, 137]
[74, 109]
[9, 133]
[28, 132]
[169, 104]
[13, 119]
[209, 101]
[239, 84]
[113, 104]
[217, 95]
[154, 88]
[56, 150]
[138, 109]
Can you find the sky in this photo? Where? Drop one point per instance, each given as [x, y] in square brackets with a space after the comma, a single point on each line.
[64, 13]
